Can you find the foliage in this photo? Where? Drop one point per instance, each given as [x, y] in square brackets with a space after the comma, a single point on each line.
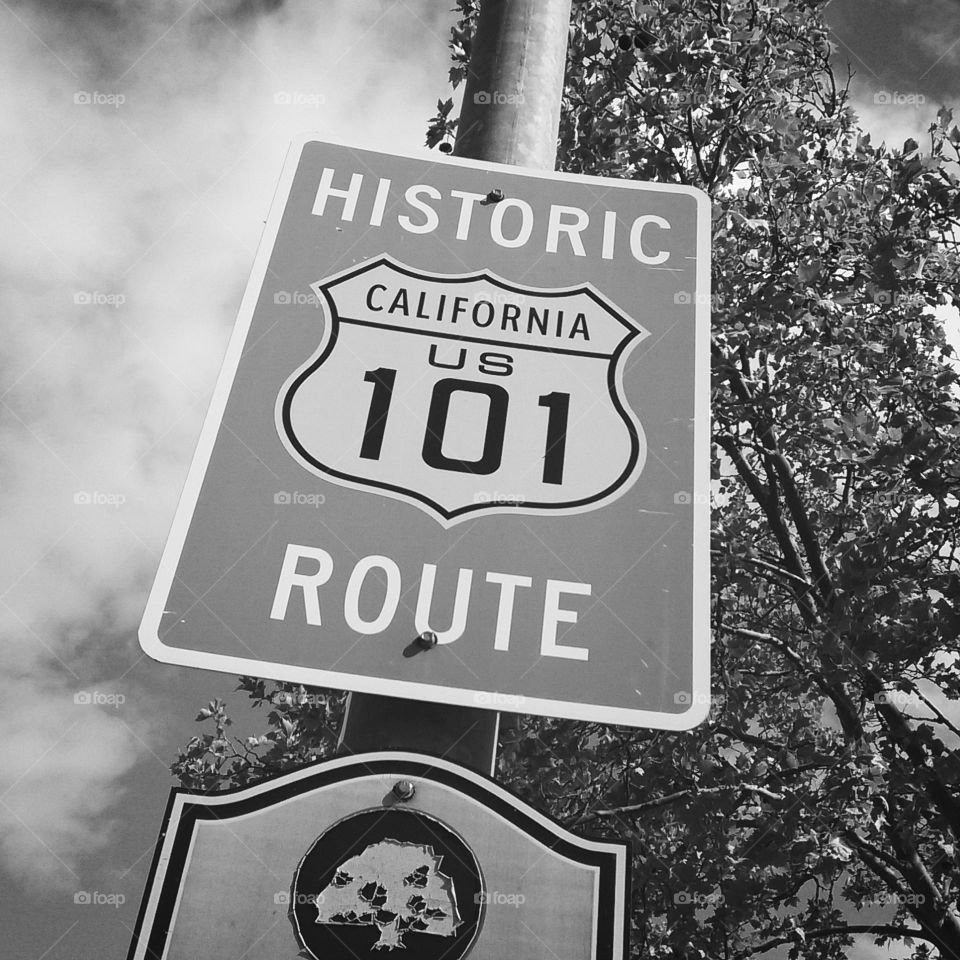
[302, 726]
[825, 781]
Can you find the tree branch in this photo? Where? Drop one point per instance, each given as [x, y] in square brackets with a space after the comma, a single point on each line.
[846, 712]
[678, 795]
[937, 712]
[905, 737]
[779, 529]
[878, 861]
[808, 537]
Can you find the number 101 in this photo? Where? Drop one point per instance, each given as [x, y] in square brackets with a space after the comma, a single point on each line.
[383, 380]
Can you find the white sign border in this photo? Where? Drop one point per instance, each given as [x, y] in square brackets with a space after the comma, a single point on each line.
[699, 696]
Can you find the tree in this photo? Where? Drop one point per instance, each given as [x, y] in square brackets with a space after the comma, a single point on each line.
[825, 781]
[396, 887]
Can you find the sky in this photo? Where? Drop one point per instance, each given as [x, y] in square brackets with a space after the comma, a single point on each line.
[142, 144]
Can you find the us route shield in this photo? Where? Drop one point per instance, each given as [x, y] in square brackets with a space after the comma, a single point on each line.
[415, 364]
[466, 400]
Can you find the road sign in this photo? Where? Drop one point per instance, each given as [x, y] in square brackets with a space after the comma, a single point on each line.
[357, 857]
[418, 366]
[464, 400]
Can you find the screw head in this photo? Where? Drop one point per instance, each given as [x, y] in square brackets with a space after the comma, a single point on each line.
[404, 790]
[427, 639]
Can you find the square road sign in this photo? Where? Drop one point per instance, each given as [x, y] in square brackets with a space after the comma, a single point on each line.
[468, 403]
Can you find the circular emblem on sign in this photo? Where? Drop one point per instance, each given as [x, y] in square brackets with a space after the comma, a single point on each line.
[383, 880]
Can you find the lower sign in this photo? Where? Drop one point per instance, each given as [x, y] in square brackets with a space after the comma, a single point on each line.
[331, 863]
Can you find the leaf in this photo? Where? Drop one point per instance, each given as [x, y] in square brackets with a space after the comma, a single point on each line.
[809, 269]
[821, 478]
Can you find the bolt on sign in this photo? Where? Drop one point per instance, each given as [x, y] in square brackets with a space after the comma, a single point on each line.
[359, 857]
[467, 401]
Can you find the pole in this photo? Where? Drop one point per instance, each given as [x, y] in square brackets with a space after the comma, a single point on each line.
[511, 105]
[510, 114]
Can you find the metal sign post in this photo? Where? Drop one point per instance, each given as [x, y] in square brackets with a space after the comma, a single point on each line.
[510, 114]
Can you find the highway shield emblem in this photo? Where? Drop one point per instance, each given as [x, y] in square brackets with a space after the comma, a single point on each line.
[466, 394]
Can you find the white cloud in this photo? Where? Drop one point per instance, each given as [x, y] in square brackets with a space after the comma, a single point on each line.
[59, 762]
[893, 122]
[131, 227]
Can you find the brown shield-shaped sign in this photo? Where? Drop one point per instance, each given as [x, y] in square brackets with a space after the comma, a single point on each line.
[466, 394]
[369, 855]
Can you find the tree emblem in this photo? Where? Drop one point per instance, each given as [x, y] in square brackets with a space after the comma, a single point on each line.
[383, 880]
[395, 886]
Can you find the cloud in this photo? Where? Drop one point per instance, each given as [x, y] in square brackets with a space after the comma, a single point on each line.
[59, 761]
[142, 142]
[893, 123]
[891, 47]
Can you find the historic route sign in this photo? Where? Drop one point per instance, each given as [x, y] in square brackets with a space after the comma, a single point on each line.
[466, 400]
[329, 863]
